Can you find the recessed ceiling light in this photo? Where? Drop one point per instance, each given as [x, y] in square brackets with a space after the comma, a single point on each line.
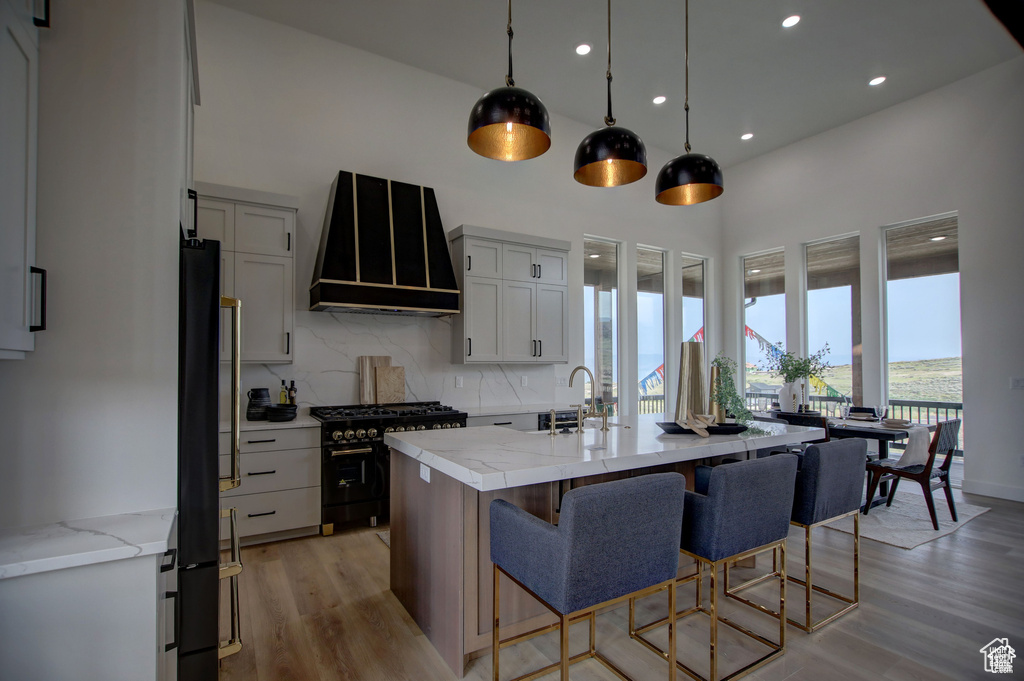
[790, 22]
[937, 238]
[753, 271]
[660, 99]
[877, 81]
[595, 255]
[747, 136]
[582, 49]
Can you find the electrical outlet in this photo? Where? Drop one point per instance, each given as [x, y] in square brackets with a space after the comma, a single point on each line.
[1017, 384]
[425, 472]
[563, 382]
[458, 381]
[523, 381]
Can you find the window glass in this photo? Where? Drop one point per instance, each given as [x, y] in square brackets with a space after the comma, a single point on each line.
[650, 330]
[833, 317]
[600, 318]
[693, 298]
[764, 319]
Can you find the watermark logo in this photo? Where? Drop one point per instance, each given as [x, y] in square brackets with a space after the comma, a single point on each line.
[998, 656]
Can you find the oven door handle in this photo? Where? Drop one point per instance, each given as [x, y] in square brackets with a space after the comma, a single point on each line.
[343, 452]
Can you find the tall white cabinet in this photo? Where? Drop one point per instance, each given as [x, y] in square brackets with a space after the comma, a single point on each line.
[19, 77]
[257, 235]
[514, 297]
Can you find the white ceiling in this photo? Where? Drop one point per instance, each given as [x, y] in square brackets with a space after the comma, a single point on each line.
[747, 73]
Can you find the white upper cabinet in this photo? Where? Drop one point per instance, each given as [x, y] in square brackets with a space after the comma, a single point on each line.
[21, 297]
[257, 266]
[514, 297]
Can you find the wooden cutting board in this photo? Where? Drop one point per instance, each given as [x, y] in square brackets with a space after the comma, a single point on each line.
[390, 384]
[368, 378]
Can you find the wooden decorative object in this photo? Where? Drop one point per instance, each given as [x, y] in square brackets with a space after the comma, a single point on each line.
[367, 376]
[692, 392]
[713, 407]
[390, 384]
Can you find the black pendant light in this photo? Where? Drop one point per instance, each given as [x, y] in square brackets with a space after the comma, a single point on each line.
[690, 178]
[509, 123]
[611, 156]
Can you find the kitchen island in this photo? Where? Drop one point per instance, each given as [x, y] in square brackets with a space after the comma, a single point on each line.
[442, 484]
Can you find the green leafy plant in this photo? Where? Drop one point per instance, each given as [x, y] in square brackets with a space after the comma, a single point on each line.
[792, 368]
[724, 392]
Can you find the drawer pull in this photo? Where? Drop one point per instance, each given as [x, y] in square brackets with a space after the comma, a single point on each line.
[260, 442]
[257, 515]
[503, 423]
[262, 472]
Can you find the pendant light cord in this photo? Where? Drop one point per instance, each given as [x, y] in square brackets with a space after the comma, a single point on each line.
[686, 59]
[509, 81]
[609, 119]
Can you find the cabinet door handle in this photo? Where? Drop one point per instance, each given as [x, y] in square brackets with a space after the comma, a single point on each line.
[287, 342]
[193, 196]
[44, 22]
[289, 241]
[177, 617]
[503, 423]
[258, 515]
[540, 348]
[170, 565]
[469, 263]
[540, 272]
[260, 442]
[533, 271]
[41, 326]
[470, 353]
[262, 472]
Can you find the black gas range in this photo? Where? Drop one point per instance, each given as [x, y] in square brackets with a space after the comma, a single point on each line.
[355, 466]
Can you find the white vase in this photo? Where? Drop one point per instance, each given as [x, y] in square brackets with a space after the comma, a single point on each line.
[789, 396]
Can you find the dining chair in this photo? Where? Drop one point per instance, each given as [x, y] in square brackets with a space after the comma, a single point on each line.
[944, 441]
[614, 541]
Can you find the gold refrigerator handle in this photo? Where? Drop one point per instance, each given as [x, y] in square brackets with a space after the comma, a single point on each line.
[235, 479]
[230, 571]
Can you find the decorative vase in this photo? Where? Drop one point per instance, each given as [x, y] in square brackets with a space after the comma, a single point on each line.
[716, 410]
[692, 393]
[788, 397]
[259, 400]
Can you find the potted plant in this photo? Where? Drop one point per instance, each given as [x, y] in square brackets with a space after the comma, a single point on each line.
[725, 398]
[793, 369]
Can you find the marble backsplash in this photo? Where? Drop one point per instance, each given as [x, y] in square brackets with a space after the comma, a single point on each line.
[328, 345]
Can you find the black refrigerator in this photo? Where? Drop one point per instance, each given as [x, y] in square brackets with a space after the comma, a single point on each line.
[196, 621]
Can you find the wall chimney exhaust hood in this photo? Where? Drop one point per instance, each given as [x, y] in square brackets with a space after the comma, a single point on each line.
[383, 250]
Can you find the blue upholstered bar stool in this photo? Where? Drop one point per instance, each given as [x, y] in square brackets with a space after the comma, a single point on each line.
[735, 511]
[613, 540]
[829, 486]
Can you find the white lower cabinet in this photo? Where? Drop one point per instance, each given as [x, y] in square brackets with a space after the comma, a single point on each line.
[279, 495]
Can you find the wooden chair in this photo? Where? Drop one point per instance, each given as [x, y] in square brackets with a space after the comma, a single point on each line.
[944, 441]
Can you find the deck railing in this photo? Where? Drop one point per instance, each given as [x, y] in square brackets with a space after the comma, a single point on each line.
[651, 404]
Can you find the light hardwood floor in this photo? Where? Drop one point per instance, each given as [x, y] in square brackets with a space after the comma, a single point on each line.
[319, 608]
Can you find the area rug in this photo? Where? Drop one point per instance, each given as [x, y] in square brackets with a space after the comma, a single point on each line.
[385, 536]
[906, 523]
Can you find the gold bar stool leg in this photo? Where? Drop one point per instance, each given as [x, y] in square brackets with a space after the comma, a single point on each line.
[808, 590]
[782, 595]
[671, 631]
[564, 647]
[713, 676]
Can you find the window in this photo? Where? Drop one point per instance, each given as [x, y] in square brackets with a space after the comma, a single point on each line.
[693, 298]
[650, 330]
[833, 317]
[923, 320]
[764, 319]
[600, 318]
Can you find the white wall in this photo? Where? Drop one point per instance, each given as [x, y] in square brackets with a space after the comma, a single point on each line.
[88, 420]
[954, 149]
[284, 111]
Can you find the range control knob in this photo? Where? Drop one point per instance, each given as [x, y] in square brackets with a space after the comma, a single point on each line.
[446, 425]
[436, 426]
[389, 429]
[399, 429]
[361, 433]
[349, 434]
[421, 427]
[337, 435]
[372, 432]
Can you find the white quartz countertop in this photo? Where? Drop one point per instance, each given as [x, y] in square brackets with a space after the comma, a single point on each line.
[72, 543]
[302, 420]
[491, 457]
